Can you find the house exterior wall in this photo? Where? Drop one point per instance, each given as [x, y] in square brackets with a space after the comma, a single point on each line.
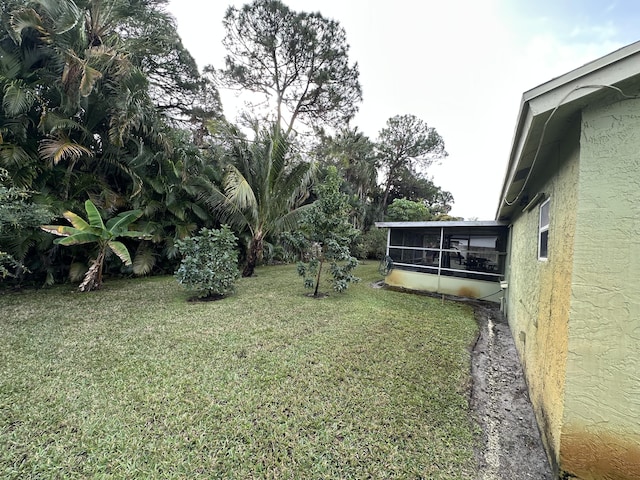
[539, 291]
[601, 417]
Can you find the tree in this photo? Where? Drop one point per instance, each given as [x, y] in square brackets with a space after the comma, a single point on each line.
[405, 146]
[403, 210]
[263, 189]
[353, 154]
[329, 233]
[95, 231]
[419, 188]
[296, 60]
[209, 265]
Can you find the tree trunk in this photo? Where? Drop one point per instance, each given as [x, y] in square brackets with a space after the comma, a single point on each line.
[315, 292]
[385, 199]
[93, 278]
[253, 255]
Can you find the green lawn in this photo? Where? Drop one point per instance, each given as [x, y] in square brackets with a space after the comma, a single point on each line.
[134, 382]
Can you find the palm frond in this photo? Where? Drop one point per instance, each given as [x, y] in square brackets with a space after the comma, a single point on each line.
[62, 148]
[66, 14]
[13, 155]
[10, 65]
[89, 78]
[144, 261]
[77, 271]
[225, 210]
[24, 19]
[290, 220]
[239, 191]
[18, 98]
[51, 122]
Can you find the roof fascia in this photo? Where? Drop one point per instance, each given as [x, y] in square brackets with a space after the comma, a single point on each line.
[447, 224]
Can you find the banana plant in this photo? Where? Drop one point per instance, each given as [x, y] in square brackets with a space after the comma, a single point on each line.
[93, 230]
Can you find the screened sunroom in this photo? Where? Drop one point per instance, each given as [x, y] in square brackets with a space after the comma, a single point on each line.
[466, 259]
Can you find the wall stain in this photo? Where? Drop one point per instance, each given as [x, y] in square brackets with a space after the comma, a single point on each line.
[599, 455]
[467, 292]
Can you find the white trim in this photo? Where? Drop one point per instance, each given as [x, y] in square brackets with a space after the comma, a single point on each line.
[543, 228]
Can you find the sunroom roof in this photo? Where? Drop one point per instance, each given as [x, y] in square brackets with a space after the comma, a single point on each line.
[448, 224]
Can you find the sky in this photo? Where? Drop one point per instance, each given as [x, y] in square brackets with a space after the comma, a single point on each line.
[459, 65]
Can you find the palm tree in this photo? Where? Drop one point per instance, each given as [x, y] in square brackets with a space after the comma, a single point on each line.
[263, 189]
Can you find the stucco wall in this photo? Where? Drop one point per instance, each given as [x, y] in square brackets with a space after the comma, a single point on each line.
[601, 424]
[539, 293]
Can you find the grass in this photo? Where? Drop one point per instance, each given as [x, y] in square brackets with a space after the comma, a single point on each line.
[134, 382]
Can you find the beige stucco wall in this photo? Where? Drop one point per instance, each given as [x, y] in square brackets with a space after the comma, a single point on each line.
[601, 417]
[539, 293]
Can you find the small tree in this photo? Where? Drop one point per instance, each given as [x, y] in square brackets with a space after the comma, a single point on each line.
[327, 227]
[93, 230]
[209, 267]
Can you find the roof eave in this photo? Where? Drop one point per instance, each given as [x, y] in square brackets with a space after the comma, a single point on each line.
[571, 88]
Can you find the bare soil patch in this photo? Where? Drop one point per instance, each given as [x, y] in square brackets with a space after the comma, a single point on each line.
[511, 446]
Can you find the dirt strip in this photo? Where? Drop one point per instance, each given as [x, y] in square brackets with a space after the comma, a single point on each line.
[501, 405]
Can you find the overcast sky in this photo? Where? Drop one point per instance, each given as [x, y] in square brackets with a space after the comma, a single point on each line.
[460, 65]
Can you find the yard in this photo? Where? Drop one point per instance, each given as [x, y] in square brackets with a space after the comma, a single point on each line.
[135, 382]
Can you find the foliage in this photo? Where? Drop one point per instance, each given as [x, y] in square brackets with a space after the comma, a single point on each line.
[17, 214]
[417, 187]
[353, 154]
[292, 246]
[329, 232]
[263, 189]
[403, 210]
[135, 383]
[91, 95]
[93, 230]
[405, 146]
[209, 265]
[296, 59]
[371, 244]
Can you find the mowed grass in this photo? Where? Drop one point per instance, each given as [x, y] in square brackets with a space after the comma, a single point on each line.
[135, 382]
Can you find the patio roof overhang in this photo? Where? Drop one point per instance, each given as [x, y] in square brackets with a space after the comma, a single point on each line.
[448, 224]
[547, 110]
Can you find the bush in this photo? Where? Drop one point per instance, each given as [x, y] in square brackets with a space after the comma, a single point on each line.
[209, 266]
[371, 245]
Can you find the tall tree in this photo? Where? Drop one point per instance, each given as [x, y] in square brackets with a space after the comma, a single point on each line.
[417, 187]
[406, 145]
[353, 154]
[297, 61]
[263, 189]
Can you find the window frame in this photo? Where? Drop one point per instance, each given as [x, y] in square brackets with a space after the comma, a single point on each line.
[542, 229]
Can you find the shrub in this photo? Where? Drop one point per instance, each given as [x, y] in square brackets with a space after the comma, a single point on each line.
[371, 244]
[209, 266]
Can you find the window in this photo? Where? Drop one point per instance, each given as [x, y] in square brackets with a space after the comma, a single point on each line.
[543, 231]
